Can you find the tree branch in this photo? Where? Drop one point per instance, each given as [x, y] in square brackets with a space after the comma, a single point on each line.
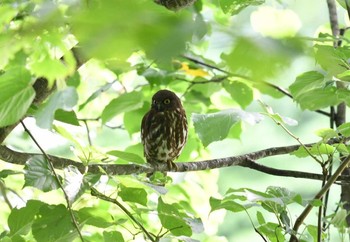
[246, 160]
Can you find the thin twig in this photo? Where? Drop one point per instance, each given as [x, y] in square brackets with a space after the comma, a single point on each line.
[4, 194]
[75, 223]
[87, 132]
[319, 195]
[279, 89]
[96, 193]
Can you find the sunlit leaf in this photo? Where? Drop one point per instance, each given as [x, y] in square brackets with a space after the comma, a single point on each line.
[113, 236]
[96, 93]
[240, 92]
[158, 31]
[133, 194]
[307, 82]
[255, 60]
[127, 156]
[21, 220]
[5, 173]
[172, 219]
[326, 133]
[223, 120]
[344, 129]
[230, 205]
[317, 149]
[333, 60]
[53, 222]
[38, 174]
[95, 216]
[68, 117]
[64, 99]
[124, 103]
[16, 96]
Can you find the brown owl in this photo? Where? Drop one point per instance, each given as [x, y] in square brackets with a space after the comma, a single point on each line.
[164, 129]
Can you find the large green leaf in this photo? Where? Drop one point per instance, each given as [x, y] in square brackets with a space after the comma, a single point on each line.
[216, 126]
[113, 236]
[307, 82]
[124, 103]
[38, 174]
[127, 26]
[20, 220]
[172, 219]
[312, 92]
[256, 60]
[127, 156]
[53, 223]
[235, 6]
[333, 60]
[64, 99]
[45, 56]
[240, 92]
[16, 96]
[95, 216]
[133, 194]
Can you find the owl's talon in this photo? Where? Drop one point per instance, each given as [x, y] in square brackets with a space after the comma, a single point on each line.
[172, 166]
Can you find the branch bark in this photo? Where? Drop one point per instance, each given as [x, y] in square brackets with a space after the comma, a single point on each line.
[246, 160]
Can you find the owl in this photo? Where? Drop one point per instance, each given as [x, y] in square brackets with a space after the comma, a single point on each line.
[164, 129]
[175, 5]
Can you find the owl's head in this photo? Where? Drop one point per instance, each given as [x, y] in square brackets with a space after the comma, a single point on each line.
[165, 100]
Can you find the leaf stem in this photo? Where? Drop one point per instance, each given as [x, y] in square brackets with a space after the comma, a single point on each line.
[75, 223]
[96, 193]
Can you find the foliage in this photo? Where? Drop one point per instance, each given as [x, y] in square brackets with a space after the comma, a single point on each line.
[103, 60]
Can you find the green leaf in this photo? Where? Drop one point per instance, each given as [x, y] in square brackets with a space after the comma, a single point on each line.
[133, 194]
[223, 120]
[233, 7]
[172, 219]
[68, 117]
[53, 223]
[311, 91]
[272, 231]
[162, 36]
[326, 133]
[124, 103]
[260, 218]
[132, 119]
[20, 220]
[64, 99]
[7, 13]
[240, 92]
[127, 156]
[306, 83]
[74, 184]
[38, 174]
[333, 60]
[5, 173]
[97, 93]
[227, 204]
[317, 149]
[256, 60]
[344, 129]
[113, 236]
[45, 56]
[16, 96]
[95, 216]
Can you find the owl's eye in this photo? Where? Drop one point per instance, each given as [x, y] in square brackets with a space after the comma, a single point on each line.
[166, 101]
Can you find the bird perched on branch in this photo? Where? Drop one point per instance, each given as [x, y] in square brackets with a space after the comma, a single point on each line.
[164, 129]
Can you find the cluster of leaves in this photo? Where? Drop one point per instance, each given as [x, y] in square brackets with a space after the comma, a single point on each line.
[105, 59]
